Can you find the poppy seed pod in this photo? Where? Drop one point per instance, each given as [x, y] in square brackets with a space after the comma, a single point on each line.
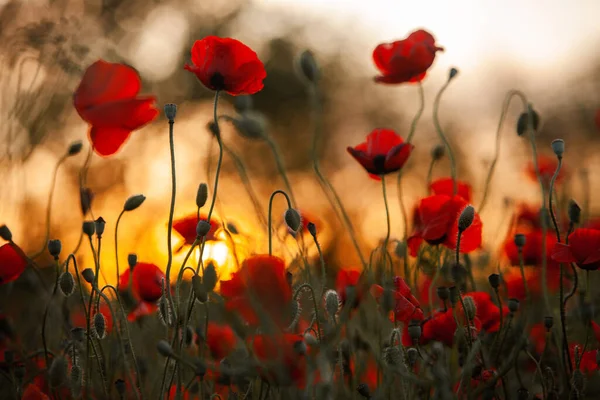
[131, 260]
[363, 390]
[558, 147]
[57, 375]
[199, 289]
[438, 151]
[134, 202]
[99, 325]
[415, 331]
[243, 103]
[100, 225]
[443, 293]
[548, 322]
[470, 307]
[120, 387]
[392, 356]
[164, 348]
[89, 228]
[308, 66]
[452, 73]
[76, 375]
[574, 212]
[292, 219]
[85, 200]
[466, 218]
[54, 248]
[164, 311]
[170, 111]
[523, 121]
[66, 283]
[520, 240]
[5, 233]
[332, 302]
[312, 229]
[251, 125]
[202, 228]
[494, 280]
[201, 195]
[210, 277]
[88, 275]
[411, 355]
[513, 305]
[454, 293]
[75, 148]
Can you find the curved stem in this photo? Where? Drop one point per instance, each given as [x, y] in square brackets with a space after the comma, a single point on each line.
[171, 210]
[405, 226]
[117, 248]
[271, 212]
[417, 117]
[430, 174]
[323, 271]
[312, 292]
[387, 217]
[438, 128]
[522, 268]
[280, 167]
[220, 159]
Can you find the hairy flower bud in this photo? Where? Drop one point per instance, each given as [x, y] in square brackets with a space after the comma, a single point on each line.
[466, 218]
[134, 202]
[54, 248]
[99, 325]
[411, 356]
[332, 302]
[415, 331]
[5, 233]
[88, 275]
[89, 228]
[452, 73]
[558, 147]
[210, 277]
[513, 305]
[132, 260]
[164, 348]
[165, 312]
[523, 121]
[85, 200]
[312, 229]
[57, 375]
[292, 220]
[494, 280]
[66, 283]
[520, 240]
[392, 356]
[470, 307]
[308, 66]
[574, 212]
[170, 111]
[243, 103]
[202, 228]
[100, 224]
[201, 195]
[199, 289]
[75, 148]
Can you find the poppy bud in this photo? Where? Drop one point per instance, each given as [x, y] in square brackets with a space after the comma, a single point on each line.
[242, 103]
[292, 220]
[78, 333]
[201, 195]
[100, 224]
[438, 151]
[574, 212]
[578, 381]
[454, 293]
[251, 125]
[414, 331]
[513, 305]
[5, 233]
[523, 121]
[164, 348]
[411, 355]
[99, 325]
[170, 111]
[393, 356]
[202, 228]
[548, 322]
[308, 66]
[520, 240]
[310, 339]
[210, 277]
[466, 218]
[494, 280]
[470, 307]
[120, 387]
[131, 260]
[134, 202]
[88, 275]
[164, 311]
[200, 367]
[57, 374]
[363, 390]
[452, 74]
[54, 248]
[199, 289]
[312, 229]
[75, 148]
[332, 302]
[558, 147]
[522, 394]
[443, 293]
[66, 283]
[76, 376]
[89, 227]
[85, 200]
[300, 347]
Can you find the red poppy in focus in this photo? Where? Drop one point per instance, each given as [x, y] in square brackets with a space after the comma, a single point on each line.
[33, 392]
[108, 99]
[406, 306]
[405, 60]
[147, 282]
[260, 282]
[186, 227]
[221, 340]
[283, 358]
[436, 221]
[547, 166]
[583, 249]
[348, 280]
[227, 64]
[446, 186]
[384, 152]
[12, 262]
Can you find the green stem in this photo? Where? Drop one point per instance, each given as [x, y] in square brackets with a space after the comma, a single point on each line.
[44, 342]
[417, 117]
[171, 210]
[312, 293]
[387, 217]
[117, 248]
[438, 128]
[271, 212]
[280, 167]
[522, 268]
[405, 226]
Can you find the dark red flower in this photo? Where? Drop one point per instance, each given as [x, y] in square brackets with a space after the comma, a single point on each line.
[12, 262]
[384, 152]
[532, 251]
[282, 357]
[436, 221]
[406, 306]
[107, 98]
[147, 281]
[446, 186]
[348, 280]
[221, 340]
[260, 283]
[533, 276]
[583, 249]
[186, 227]
[537, 337]
[547, 166]
[480, 379]
[405, 60]
[227, 64]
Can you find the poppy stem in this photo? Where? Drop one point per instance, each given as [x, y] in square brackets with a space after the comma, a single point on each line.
[388, 222]
[438, 128]
[289, 203]
[314, 298]
[522, 268]
[404, 225]
[117, 248]
[280, 167]
[220, 160]
[44, 341]
[417, 117]
[585, 184]
[171, 208]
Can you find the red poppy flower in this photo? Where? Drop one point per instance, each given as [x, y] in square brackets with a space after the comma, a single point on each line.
[12, 262]
[107, 98]
[547, 166]
[384, 152]
[533, 276]
[346, 281]
[436, 221]
[283, 358]
[33, 392]
[446, 186]
[583, 249]
[147, 281]
[406, 306]
[186, 227]
[260, 283]
[221, 340]
[532, 251]
[537, 336]
[227, 64]
[487, 311]
[405, 60]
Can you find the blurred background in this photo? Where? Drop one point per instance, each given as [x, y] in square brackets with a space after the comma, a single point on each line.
[546, 48]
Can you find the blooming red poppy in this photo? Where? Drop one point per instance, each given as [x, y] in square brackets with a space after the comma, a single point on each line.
[406, 306]
[283, 358]
[384, 152]
[147, 282]
[435, 221]
[108, 99]
[405, 60]
[583, 249]
[547, 166]
[227, 64]
[12, 262]
[347, 280]
[446, 186]
[221, 340]
[186, 227]
[260, 287]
